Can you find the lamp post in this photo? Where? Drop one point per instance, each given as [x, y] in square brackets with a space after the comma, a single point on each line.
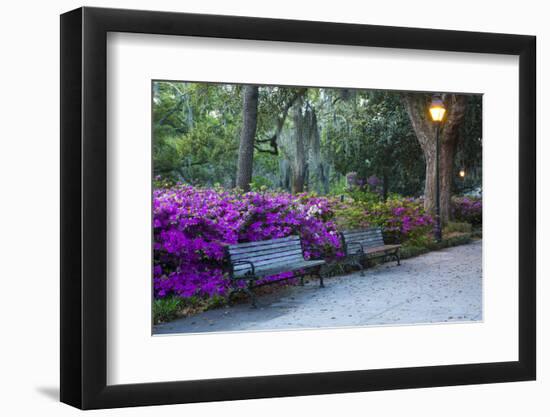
[437, 111]
[462, 175]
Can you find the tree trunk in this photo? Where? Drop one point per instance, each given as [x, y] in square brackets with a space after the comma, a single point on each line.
[417, 106]
[299, 158]
[324, 178]
[248, 133]
[285, 175]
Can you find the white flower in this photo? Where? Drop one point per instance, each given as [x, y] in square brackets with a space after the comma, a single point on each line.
[312, 211]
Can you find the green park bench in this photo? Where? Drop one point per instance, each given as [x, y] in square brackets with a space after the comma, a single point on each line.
[252, 261]
[364, 244]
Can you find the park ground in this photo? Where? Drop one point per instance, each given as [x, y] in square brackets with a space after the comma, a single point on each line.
[437, 287]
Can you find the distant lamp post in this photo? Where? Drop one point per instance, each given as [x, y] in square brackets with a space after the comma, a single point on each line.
[462, 175]
[437, 111]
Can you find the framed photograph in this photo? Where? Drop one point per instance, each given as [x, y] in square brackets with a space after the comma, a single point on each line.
[257, 208]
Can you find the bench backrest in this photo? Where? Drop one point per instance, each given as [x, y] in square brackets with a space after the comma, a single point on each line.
[368, 238]
[266, 253]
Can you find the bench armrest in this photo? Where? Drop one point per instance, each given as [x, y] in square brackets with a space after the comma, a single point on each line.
[348, 244]
[244, 262]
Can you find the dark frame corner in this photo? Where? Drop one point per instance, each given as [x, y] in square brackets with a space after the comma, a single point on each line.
[83, 207]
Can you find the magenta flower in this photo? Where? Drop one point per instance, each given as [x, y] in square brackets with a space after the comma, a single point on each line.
[192, 226]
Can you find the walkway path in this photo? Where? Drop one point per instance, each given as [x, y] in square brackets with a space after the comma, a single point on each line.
[441, 286]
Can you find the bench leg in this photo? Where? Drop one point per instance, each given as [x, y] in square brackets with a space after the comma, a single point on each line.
[357, 262]
[301, 281]
[397, 257]
[231, 292]
[361, 269]
[247, 290]
[320, 275]
[234, 289]
[250, 293]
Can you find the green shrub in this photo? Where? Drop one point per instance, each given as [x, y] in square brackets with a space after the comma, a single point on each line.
[401, 219]
[461, 227]
[364, 196]
[166, 309]
[260, 183]
[410, 249]
[350, 215]
[216, 301]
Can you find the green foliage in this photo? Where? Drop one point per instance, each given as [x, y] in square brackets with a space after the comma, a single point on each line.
[411, 249]
[171, 307]
[469, 149]
[260, 183]
[196, 131]
[401, 219]
[166, 309]
[363, 195]
[215, 302]
[195, 128]
[371, 134]
[461, 227]
[350, 215]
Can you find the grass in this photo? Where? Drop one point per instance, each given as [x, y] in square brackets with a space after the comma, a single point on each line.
[166, 309]
[173, 307]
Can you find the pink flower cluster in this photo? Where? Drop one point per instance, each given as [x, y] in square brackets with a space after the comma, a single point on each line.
[192, 226]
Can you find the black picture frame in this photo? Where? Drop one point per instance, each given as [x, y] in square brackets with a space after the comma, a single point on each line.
[84, 207]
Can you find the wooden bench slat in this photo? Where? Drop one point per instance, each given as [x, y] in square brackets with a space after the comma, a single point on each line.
[383, 248]
[362, 232]
[367, 244]
[271, 249]
[260, 256]
[367, 238]
[363, 237]
[266, 249]
[281, 260]
[371, 241]
[264, 242]
[279, 268]
[268, 257]
[372, 230]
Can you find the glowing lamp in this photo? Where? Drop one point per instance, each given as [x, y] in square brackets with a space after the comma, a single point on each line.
[437, 109]
[462, 173]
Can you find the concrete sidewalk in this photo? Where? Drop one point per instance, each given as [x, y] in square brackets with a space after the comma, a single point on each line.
[441, 286]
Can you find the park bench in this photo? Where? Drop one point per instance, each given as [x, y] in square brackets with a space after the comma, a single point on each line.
[252, 261]
[365, 244]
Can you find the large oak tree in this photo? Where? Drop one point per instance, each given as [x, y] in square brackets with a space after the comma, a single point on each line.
[417, 106]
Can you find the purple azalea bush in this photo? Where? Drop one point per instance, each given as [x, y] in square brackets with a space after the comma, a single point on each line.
[401, 219]
[193, 225]
[467, 209]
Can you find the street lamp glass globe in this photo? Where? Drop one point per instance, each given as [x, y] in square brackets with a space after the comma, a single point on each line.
[437, 109]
